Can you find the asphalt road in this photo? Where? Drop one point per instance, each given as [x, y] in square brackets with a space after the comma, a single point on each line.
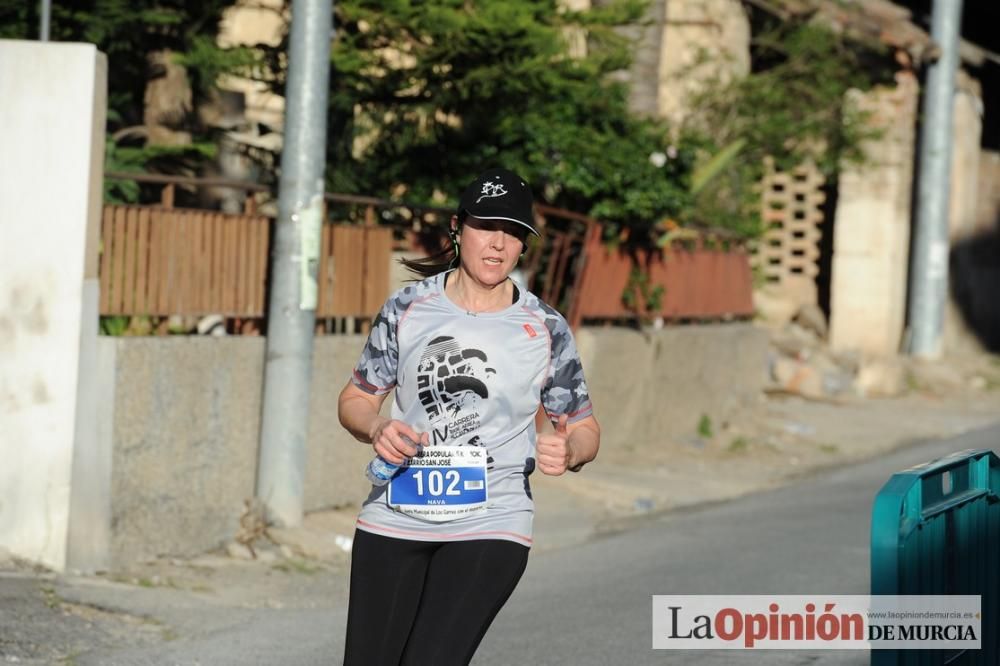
[591, 605]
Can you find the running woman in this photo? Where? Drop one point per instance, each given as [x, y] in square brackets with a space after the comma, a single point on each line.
[470, 355]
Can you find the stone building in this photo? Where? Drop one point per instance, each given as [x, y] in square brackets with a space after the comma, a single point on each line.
[851, 258]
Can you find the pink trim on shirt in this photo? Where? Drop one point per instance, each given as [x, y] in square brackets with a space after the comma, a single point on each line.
[548, 336]
[423, 536]
[586, 408]
[368, 387]
[406, 312]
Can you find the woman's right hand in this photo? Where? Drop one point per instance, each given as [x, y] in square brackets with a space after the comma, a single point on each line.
[396, 441]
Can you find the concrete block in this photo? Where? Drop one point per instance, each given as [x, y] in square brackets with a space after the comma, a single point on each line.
[187, 415]
[862, 225]
[881, 378]
[798, 377]
[872, 227]
[186, 435]
[867, 304]
[654, 387]
[773, 309]
[811, 318]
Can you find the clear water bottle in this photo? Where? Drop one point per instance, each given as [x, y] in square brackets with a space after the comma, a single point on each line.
[380, 471]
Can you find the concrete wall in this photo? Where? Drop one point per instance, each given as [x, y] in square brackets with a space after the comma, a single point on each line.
[873, 219]
[988, 206]
[957, 337]
[703, 40]
[643, 76]
[187, 412]
[974, 270]
[186, 419]
[679, 47]
[656, 387]
[967, 130]
[52, 137]
[186, 429]
[872, 228]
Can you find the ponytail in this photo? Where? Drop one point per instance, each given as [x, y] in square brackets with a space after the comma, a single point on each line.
[439, 262]
[425, 267]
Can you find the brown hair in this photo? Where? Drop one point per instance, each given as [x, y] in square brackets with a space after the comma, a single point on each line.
[446, 259]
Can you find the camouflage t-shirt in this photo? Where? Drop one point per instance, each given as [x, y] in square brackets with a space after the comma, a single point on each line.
[471, 380]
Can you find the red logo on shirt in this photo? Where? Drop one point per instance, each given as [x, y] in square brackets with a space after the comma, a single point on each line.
[531, 331]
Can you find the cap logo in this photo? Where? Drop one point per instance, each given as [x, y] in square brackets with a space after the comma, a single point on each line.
[492, 190]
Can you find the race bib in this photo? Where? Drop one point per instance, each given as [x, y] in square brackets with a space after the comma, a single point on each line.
[441, 483]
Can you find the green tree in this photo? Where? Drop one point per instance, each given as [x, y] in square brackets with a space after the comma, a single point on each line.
[426, 94]
[127, 31]
[789, 109]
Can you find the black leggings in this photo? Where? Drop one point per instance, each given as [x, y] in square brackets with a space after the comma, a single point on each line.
[426, 603]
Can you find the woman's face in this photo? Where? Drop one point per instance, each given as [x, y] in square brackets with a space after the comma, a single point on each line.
[489, 249]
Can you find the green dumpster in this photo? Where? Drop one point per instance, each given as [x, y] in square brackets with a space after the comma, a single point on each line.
[936, 530]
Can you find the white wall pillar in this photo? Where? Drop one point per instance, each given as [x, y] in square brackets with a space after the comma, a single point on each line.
[872, 228]
[52, 133]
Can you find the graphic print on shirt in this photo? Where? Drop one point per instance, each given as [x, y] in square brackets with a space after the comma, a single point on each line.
[452, 382]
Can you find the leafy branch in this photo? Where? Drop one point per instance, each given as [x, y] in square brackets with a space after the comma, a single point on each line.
[791, 109]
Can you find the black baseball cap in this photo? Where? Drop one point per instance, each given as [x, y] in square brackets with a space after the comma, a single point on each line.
[499, 194]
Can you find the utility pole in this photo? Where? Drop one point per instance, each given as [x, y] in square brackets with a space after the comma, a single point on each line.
[291, 315]
[45, 14]
[929, 268]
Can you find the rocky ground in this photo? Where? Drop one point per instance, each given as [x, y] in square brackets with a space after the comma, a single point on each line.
[819, 411]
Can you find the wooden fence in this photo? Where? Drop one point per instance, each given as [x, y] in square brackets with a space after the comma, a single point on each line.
[698, 283]
[160, 261]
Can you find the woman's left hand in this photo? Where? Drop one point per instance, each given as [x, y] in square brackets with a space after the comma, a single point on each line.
[552, 450]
